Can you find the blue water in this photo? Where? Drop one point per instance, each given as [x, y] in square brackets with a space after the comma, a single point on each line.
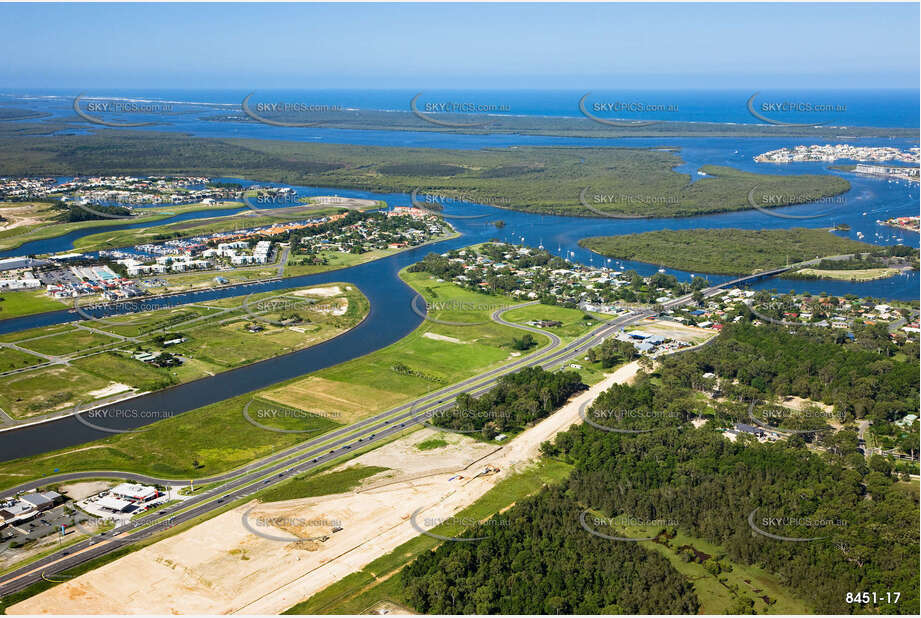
[868, 200]
[876, 197]
[875, 108]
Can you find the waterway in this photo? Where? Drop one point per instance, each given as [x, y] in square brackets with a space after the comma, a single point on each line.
[390, 316]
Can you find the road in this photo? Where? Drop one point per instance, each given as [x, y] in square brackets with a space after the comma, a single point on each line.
[256, 476]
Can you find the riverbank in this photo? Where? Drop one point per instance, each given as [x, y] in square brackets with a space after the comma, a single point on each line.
[79, 365]
[181, 446]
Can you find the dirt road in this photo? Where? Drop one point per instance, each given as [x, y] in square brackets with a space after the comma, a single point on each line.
[220, 567]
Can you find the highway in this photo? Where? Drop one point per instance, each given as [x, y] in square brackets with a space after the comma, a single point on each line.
[256, 476]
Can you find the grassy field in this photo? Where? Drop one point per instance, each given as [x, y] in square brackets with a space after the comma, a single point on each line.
[27, 302]
[308, 486]
[431, 357]
[197, 443]
[184, 446]
[548, 180]
[216, 341]
[726, 251]
[574, 322]
[76, 340]
[28, 394]
[14, 359]
[379, 581]
[22, 335]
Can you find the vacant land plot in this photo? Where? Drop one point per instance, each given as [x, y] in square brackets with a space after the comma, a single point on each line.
[425, 360]
[46, 389]
[218, 336]
[124, 369]
[197, 443]
[573, 322]
[14, 359]
[26, 302]
[674, 330]
[75, 340]
[344, 402]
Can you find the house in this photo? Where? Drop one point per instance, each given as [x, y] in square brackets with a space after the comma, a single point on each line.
[749, 429]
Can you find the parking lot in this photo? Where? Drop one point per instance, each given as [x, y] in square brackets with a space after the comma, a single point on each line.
[41, 526]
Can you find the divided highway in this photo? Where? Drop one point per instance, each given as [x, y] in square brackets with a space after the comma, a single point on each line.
[256, 476]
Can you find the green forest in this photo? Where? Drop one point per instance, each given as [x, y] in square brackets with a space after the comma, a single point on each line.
[859, 519]
[517, 400]
[729, 251]
[548, 180]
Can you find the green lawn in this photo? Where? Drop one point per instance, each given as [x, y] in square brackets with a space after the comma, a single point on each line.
[26, 302]
[308, 485]
[573, 321]
[379, 581]
[67, 343]
[14, 359]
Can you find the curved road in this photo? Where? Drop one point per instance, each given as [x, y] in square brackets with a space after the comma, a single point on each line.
[254, 477]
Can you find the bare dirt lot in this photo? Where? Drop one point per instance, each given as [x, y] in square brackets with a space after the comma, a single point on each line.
[220, 567]
[674, 330]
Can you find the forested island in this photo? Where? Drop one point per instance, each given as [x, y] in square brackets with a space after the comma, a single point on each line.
[547, 180]
[734, 251]
[561, 126]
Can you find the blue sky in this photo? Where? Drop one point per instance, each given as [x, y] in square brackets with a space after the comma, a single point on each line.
[668, 46]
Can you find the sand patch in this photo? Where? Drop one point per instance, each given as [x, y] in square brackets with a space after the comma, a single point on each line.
[333, 290]
[337, 306]
[84, 489]
[674, 330]
[112, 389]
[438, 337]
